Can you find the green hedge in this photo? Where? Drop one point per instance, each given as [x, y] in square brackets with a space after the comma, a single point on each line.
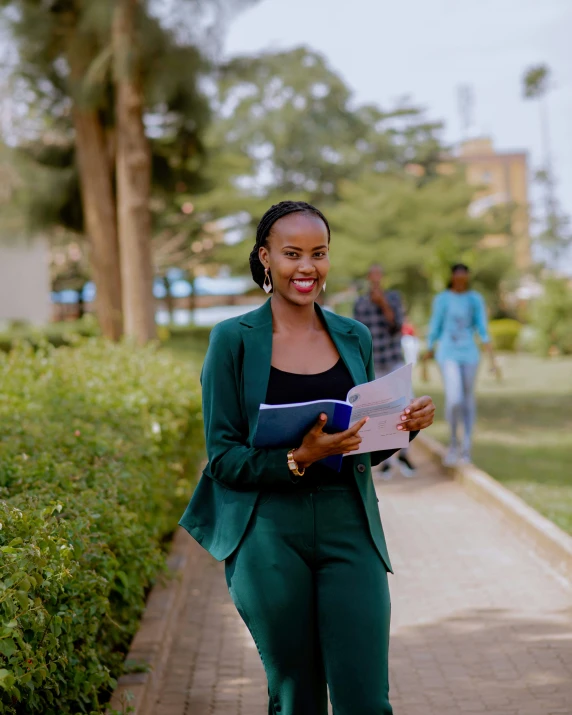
[505, 333]
[56, 334]
[98, 448]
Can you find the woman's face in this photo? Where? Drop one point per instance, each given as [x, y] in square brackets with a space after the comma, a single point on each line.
[460, 281]
[297, 256]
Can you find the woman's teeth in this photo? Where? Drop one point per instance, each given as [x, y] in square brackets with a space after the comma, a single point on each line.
[304, 284]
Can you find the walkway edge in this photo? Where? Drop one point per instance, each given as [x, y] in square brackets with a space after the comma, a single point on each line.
[547, 540]
[136, 692]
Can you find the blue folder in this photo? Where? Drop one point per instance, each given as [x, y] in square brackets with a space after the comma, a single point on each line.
[286, 425]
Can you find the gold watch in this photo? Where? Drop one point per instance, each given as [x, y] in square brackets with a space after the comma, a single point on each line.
[293, 464]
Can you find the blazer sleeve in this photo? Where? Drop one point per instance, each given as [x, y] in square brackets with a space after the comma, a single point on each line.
[381, 456]
[232, 462]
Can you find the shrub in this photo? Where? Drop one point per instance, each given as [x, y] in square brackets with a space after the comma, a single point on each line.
[98, 445]
[55, 333]
[504, 333]
[552, 316]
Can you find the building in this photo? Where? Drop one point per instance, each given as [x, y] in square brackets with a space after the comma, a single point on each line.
[24, 264]
[24, 283]
[502, 178]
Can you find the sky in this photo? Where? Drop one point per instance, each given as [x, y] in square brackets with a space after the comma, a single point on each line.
[426, 49]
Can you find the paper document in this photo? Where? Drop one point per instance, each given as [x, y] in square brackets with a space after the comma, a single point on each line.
[382, 400]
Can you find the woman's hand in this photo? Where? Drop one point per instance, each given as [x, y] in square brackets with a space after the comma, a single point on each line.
[418, 415]
[317, 444]
[493, 363]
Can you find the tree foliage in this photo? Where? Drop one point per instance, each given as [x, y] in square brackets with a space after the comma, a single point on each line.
[552, 317]
[70, 76]
[286, 126]
[177, 110]
[536, 81]
[295, 121]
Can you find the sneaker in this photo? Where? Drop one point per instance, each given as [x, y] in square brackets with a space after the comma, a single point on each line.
[384, 470]
[451, 459]
[407, 469]
[465, 458]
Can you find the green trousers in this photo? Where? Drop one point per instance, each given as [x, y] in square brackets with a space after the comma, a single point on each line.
[312, 589]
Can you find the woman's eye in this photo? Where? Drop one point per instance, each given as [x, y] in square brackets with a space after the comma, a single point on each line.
[291, 254]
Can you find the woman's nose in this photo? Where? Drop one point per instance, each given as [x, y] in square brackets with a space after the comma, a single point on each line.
[306, 266]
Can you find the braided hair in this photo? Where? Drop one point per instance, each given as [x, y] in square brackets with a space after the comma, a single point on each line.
[284, 208]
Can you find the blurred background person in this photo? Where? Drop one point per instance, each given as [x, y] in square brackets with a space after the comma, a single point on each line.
[458, 314]
[382, 312]
[409, 342]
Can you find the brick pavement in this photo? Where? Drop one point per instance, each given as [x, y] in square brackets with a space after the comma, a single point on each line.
[479, 624]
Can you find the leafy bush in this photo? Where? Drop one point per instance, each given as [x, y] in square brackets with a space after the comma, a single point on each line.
[55, 333]
[98, 445]
[552, 317]
[504, 333]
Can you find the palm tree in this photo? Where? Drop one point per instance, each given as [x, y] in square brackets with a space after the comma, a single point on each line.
[555, 237]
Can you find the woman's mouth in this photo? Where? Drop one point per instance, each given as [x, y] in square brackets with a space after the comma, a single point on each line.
[304, 285]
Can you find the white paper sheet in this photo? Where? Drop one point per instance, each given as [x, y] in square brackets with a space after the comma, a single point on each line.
[382, 400]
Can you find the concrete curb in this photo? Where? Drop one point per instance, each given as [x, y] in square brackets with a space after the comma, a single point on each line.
[136, 692]
[545, 538]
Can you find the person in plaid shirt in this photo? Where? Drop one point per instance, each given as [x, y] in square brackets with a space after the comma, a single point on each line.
[382, 312]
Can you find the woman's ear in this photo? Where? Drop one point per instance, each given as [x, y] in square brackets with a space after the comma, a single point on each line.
[263, 256]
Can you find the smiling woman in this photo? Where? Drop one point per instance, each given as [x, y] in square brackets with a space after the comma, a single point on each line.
[296, 225]
[306, 559]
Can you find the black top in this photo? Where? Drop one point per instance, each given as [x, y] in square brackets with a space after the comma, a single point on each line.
[333, 384]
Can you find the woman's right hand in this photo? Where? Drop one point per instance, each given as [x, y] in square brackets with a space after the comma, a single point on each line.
[317, 444]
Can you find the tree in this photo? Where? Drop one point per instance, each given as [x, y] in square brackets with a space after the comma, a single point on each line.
[416, 231]
[133, 176]
[65, 58]
[552, 317]
[556, 235]
[293, 119]
[286, 127]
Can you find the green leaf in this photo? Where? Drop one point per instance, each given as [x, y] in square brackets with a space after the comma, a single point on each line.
[122, 576]
[7, 680]
[7, 647]
[22, 598]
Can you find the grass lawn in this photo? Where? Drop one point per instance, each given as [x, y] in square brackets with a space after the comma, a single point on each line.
[524, 429]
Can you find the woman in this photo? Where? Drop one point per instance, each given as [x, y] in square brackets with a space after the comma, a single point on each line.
[306, 560]
[458, 313]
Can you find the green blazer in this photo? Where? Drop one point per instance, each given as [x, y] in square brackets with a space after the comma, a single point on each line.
[234, 380]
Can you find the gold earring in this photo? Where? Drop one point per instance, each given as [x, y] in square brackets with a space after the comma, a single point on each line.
[267, 285]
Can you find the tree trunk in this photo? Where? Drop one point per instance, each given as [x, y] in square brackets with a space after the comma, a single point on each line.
[133, 179]
[98, 203]
[169, 301]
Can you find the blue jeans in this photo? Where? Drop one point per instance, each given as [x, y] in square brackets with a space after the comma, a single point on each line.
[459, 380]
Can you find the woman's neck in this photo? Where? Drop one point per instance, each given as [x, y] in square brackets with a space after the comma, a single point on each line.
[293, 318]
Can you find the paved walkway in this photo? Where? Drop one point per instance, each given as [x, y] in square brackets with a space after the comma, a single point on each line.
[479, 624]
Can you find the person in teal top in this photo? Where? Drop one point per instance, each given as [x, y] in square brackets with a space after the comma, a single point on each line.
[458, 315]
[305, 556]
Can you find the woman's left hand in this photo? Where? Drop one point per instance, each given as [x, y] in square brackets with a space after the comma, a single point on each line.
[418, 415]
